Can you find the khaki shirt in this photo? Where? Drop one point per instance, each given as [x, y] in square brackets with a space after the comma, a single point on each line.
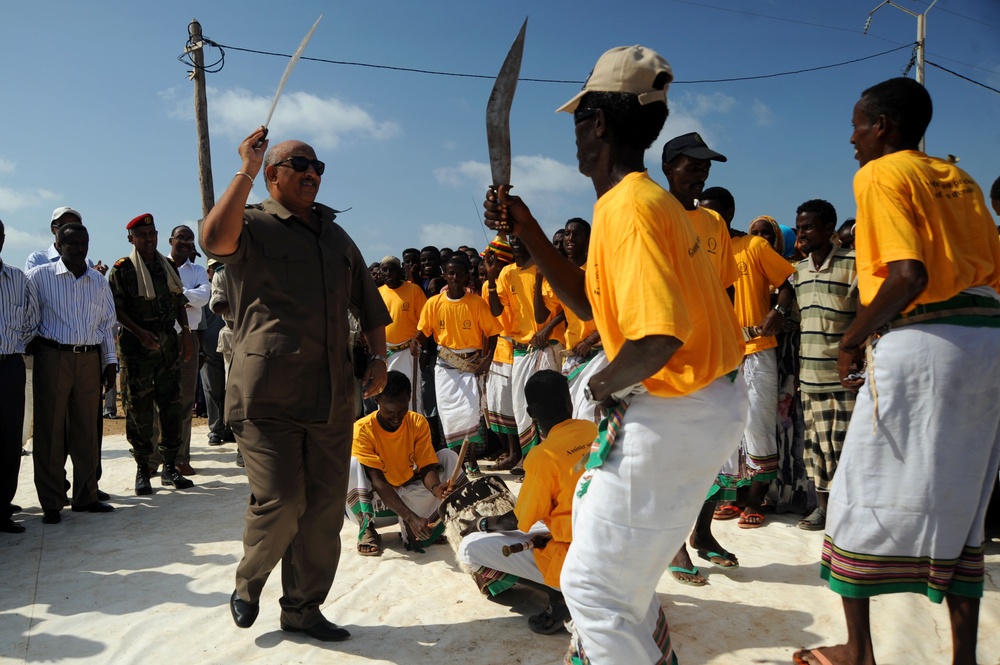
[291, 283]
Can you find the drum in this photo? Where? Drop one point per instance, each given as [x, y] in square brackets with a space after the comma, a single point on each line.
[484, 497]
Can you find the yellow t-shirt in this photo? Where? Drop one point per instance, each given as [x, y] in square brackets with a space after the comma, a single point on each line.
[504, 352]
[760, 268]
[404, 305]
[648, 274]
[547, 492]
[458, 324]
[400, 454]
[912, 206]
[516, 289]
[714, 235]
[576, 328]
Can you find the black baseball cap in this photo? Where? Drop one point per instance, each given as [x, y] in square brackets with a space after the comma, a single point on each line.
[691, 145]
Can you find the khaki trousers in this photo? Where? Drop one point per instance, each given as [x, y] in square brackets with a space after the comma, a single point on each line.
[298, 482]
[67, 394]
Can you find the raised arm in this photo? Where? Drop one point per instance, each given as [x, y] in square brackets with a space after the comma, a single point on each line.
[220, 232]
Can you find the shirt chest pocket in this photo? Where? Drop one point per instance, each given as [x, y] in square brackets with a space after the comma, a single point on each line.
[287, 266]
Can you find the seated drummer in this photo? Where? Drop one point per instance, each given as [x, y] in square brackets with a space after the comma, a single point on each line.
[543, 514]
[394, 471]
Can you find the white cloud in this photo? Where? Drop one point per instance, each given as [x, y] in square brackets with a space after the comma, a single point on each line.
[447, 235]
[7, 166]
[531, 175]
[16, 199]
[26, 242]
[762, 113]
[716, 102]
[323, 122]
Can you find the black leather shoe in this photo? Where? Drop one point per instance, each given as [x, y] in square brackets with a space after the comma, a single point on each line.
[51, 517]
[103, 496]
[96, 507]
[228, 436]
[142, 485]
[10, 526]
[323, 630]
[244, 613]
[214, 439]
[171, 477]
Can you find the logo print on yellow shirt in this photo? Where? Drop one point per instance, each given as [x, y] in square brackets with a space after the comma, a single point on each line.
[406, 307]
[742, 267]
[467, 325]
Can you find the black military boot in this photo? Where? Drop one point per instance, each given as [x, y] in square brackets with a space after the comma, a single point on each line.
[142, 486]
[171, 477]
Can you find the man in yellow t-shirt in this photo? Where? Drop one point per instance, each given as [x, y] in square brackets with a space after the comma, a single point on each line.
[404, 300]
[395, 471]
[584, 355]
[515, 289]
[686, 162]
[466, 335]
[907, 506]
[674, 346]
[543, 512]
[760, 269]
[499, 381]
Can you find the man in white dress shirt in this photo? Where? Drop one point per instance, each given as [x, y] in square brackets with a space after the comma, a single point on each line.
[71, 313]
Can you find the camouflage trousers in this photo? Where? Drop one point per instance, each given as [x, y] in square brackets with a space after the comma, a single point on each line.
[154, 377]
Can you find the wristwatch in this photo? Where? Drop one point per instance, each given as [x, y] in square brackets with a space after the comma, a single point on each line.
[373, 358]
[483, 524]
[781, 310]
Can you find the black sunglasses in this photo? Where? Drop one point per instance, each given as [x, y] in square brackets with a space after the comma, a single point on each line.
[300, 164]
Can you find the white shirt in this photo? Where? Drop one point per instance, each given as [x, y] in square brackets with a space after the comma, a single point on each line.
[51, 255]
[13, 310]
[71, 310]
[197, 289]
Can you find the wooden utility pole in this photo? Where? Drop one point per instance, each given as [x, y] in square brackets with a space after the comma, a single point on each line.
[195, 45]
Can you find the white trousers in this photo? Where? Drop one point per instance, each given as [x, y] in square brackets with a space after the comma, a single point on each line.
[486, 550]
[638, 510]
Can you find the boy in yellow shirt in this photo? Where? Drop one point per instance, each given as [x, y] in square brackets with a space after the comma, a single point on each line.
[466, 336]
[404, 300]
[395, 471]
[544, 505]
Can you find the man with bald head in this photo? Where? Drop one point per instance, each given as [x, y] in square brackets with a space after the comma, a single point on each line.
[295, 275]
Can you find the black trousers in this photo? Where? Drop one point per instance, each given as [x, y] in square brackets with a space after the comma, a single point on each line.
[12, 379]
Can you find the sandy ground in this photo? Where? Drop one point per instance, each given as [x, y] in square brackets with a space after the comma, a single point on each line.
[150, 583]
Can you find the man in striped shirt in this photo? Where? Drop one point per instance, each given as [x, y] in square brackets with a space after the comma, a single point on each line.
[13, 306]
[826, 288]
[70, 315]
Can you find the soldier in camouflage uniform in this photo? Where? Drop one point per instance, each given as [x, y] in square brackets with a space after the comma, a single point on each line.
[149, 300]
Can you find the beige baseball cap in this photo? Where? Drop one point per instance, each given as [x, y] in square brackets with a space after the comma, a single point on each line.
[629, 69]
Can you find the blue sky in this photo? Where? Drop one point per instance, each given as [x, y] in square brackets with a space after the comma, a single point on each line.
[97, 111]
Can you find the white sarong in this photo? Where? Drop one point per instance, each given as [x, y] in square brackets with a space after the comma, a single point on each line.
[760, 370]
[485, 550]
[639, 508]
[525, 365]
[457, 404]
[579, 377]
[918, 465]
[401, 360]
[500, 399]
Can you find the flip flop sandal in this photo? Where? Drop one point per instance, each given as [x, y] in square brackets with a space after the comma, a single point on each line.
[552, 620]
[744, 522]
[728, 559]
[726, 512]
[677, 570]
[370, 542]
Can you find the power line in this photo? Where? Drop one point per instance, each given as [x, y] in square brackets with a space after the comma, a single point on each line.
[491, 77]
[934, 64]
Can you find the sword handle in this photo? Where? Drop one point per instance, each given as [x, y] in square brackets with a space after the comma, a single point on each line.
[260, 141]
[502, 228]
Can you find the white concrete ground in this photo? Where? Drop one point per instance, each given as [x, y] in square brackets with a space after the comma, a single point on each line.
[150, 583]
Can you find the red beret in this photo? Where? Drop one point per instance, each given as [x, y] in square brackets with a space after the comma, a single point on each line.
[141, 220]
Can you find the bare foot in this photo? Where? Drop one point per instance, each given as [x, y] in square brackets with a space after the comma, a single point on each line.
[841, 654]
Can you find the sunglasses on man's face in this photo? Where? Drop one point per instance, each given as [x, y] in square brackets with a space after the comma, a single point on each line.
[299, 164]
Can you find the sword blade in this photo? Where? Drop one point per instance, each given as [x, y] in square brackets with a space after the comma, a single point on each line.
[498, 111]
[289, 68]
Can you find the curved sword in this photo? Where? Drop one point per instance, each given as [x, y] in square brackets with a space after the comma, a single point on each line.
[284, 77]
[498, 111]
